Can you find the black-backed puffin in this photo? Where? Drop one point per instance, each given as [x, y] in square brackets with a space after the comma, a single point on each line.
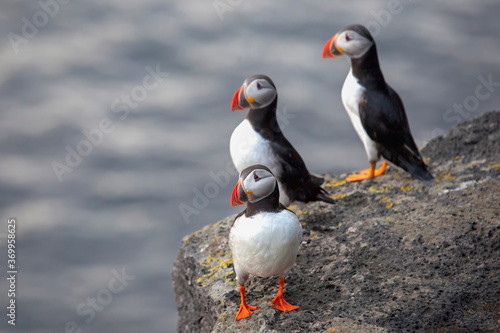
[376, 110]
[265, 237]
[258, 140]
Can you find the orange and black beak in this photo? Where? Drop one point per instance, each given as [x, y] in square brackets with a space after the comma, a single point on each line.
[239, 196]
[330, 50]
[239, 101]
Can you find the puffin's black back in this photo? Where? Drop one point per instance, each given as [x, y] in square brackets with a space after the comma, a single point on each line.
[295, 178]
[384, 118]
[388, 126]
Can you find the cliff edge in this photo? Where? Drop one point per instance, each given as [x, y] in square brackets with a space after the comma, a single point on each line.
[391, 255]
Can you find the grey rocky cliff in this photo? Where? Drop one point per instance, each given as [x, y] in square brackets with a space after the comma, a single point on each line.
[392, 255]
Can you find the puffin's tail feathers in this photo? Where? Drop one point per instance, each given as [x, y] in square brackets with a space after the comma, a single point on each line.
[414, 165]
[409, 160]
[323, 196]
[419, 171]
[307, 189]
[317, 180]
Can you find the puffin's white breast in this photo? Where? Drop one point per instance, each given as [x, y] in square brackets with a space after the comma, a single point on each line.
[352, 92]
[265, 244]
[247, 148]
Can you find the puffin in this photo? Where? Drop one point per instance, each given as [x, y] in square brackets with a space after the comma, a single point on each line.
[375, 109]
[258, 139]
[265, 237]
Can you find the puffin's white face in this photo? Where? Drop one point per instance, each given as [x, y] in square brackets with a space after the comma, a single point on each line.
[259, 184]
[256, 92]
[352, 44]
[259, 93]
[353, 41]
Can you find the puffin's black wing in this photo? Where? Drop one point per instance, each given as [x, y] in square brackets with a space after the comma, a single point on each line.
[300, 184]
[384, 119]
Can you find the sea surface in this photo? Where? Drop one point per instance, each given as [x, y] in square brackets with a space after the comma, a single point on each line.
[115, 123]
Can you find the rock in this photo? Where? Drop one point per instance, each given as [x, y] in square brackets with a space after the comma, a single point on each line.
[392, 255]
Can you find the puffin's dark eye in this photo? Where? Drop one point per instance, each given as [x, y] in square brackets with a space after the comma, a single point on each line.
[255, 177]
[259, 86]
[347, 37]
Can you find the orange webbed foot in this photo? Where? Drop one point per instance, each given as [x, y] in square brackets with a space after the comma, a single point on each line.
[279, 302]
[369, 173]
[245, 310]
[365, 174]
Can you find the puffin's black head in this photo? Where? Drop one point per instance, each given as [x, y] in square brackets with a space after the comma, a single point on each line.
[257, 91]
[256, 183]
[353, 41]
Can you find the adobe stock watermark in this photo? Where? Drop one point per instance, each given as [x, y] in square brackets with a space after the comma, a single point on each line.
[221, 179]
[465, 110]
[89, 308]
[121, 106]
[223, 6]
[31, 25]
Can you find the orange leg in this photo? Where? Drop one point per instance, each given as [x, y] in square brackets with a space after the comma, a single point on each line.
[368, 173]
[279, 302]
[245, 309]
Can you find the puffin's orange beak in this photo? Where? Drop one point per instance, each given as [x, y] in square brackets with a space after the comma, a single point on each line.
[239, 101]
[327, 49]
[239, 196]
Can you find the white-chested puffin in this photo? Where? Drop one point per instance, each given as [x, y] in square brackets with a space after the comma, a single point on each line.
[265, 237]
[376, 110]
[258, 140]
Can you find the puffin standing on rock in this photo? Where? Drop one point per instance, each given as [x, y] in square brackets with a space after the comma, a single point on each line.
[258, 140]
[265, 237]
[376, 110]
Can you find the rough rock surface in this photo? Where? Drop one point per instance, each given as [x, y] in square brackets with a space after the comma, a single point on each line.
[392, 255]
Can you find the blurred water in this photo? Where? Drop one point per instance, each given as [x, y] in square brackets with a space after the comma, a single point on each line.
[117, 210]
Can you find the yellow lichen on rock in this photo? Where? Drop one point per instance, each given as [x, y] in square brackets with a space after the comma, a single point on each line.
[405, 188]
[444, 176]
[380, 190]
[214, 264]
[335, 183]
[188, 237]
[300, 214]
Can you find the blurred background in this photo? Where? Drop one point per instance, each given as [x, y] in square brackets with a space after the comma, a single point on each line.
[115, 126]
